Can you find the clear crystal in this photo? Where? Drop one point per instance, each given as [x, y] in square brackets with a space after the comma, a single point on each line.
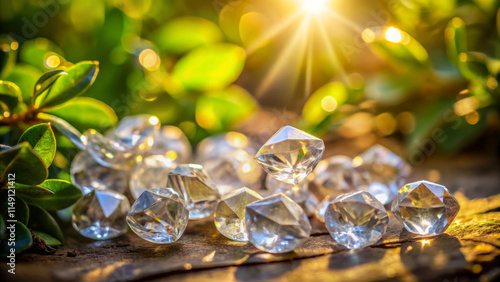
[171, 142]
[87, 175]
[425, 208]
[321, 208]
[219, 145]
[277, 224]
[152, 172]
[382, 172]
[100, 214]
[230, 213]
[196, 188]
[356, 220]
[136, 131]
[159, 216]
[336, 176]
[290, 154]
[310, 204]
[298, 193]
[107, 152]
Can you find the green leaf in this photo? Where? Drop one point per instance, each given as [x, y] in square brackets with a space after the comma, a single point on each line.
[64, 128]
[21, 211]
[78, 79]
[211, 67]
[41, 220]
[324, 101]
[49, 240]
[65, 194]
[181, 35]
[10, 94]
[32, 190]
[25, 76]
[8, 54]
[23, 238]
[42, 140]
[45, 82]
[25, 163]
[84, 113]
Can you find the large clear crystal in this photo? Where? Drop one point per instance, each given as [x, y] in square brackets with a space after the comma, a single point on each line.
[219, 145]
[196, 188]
[152, 172]
[290, 154]
[100, 214]
[425, 208]
[356, 220]
[108, 152]
[159, 216]
[335, 176]
[171, 142]
[230, 213]
[87, 175]
[277, 224]
[136, 131]
[382, 172]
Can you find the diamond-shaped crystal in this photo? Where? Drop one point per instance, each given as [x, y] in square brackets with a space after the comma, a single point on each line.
[290, 154]
[197, 189]
[171, 142]
[356, 220]
[382, 172]
[321, 208]
[152, 172]
[277, 224]
[230, 213]
[219, 145]
[159, 216]
[107, 152]
[336, 175]
[100, 214]
[425, 208]
[136, 131]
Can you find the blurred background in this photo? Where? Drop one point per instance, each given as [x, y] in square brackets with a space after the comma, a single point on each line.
[418, 73]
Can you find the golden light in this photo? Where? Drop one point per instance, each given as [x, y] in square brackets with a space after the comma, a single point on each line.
[368, 35]
[492, 83]
[313, 6]
[151, 141]
[472, 118]
[295, 188]
[171, 155]
[6, 114]
[425, 242]
[357, 161]
[393, 35]
[209, 257]
[52, 61]
[138, 159]
[236, 139]
[154, 120]
[173, 132]
[14, 45]
[329, 103]
[466, 106]
[246, 168]
[149, 59]
[188, 266]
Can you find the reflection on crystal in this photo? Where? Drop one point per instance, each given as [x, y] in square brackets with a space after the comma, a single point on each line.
[100, 214]
[196, 188]
[107, 152]
[218, 145]
[425, 208]
[297, 193]
[277, 224]
[171, 142]
[290, 154]
[136, 131]
[159, 216]
[321, 208]
[356, 220]
[230, 213]
[336, 175]
[152, 172]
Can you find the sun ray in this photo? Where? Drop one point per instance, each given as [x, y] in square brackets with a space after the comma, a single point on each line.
[307, 89]
[344, 20]
[330, 50]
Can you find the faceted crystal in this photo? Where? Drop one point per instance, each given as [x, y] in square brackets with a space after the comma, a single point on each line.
[425, 208]
[152, 172]
[86, 172]
[290, 154]
[196, 188]
[277, 224]
[136, 131]
[171, 142]
[230, 213]
[159, 216]
[382, 172]
[321, 208]
[356, 220]
[100, 214]
[297, 193]
[219, 145]
[107, 152]
[336, 176]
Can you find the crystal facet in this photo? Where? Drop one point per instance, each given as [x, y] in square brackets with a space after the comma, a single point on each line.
[219, 145]
[159, 216]
[136, 131]
[297, 193]
[321, 208]
[152, 172]
[336, 176]
[171, 142]
[290, 154]
[196, 188]
[100, 214]
[230, 213]
[425, 208]
[107, 152]
[356, 220]
[276, 224]
[88, 175]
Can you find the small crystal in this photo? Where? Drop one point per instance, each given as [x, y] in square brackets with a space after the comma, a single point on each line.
[159, 216]
[218, 145]
[356, 220]
[382, 171]
[136, 131]
[107, 152]
[87, 175]
[171, 142]
[298, 193]
[310, 204]
[230, 213]
[277, 224]
[152, 172]
[336, 176]
[321, 208]
[290, 154]
[100, 214]
[196, 188]
[425, 208]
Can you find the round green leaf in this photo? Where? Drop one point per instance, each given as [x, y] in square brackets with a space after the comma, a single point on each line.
[42, 140]
[10, 94]
[25, 163]
[41, 220]
[32, 190]
[21, 212]
[45, 82]
[65, 194]
[23, 238]
[49, 240]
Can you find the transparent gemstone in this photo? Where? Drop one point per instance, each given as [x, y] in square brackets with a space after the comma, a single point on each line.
[425, 208]
[107, 152]
[321, 208]
[171, 142]
[230, 213]
[290, 154]
[277, 224]
[336, 176]
[100, 214]
[310, 204]
[159, 216]
[382, 172]
[356, 220]
[298, 193]
[136, 131]
[218, 145]
[88, 175]
[233, 170]
[152, 172]
[197, 189]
